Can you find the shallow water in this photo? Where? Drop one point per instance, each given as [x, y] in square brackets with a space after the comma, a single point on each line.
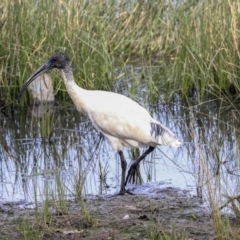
[59, 153]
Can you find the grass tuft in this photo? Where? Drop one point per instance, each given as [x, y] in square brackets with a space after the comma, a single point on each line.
[192, 45]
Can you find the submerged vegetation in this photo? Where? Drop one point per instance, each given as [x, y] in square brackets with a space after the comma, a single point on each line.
[186, 46]
[145, 49]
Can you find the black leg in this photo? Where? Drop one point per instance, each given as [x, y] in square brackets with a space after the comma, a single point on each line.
[124, 168]
[132, 169]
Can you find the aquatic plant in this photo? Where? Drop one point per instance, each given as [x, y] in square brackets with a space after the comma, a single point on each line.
[189, 47]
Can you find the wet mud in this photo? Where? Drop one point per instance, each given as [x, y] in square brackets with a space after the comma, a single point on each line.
[163, 212]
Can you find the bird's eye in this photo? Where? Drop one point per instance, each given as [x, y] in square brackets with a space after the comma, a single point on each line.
[58, 65]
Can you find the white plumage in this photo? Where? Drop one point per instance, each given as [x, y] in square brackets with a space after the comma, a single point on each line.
[121, 120]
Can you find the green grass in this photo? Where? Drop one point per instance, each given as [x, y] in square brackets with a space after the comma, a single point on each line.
[188, 47]
[156, 234]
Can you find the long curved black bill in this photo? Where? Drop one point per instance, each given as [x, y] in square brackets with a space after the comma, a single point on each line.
[44, 68]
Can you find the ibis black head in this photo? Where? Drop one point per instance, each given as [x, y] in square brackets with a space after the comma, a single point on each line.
[57, 60]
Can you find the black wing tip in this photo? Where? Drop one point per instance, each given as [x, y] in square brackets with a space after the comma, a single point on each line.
[156, 129]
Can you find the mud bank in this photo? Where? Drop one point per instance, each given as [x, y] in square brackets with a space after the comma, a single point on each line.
[152, 215]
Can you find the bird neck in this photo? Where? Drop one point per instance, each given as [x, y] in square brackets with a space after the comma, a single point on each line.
[67, 74]
[77, 94]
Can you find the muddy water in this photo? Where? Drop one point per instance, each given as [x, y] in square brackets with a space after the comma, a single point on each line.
[55, 152]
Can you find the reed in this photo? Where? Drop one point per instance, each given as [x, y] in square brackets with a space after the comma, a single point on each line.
[193, 45]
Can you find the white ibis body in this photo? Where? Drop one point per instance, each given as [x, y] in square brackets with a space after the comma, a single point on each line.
[121, 120]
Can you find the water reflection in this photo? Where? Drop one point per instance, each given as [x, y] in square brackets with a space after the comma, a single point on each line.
[62, 154]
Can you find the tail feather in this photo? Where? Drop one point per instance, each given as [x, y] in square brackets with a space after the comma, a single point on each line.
[163, 135]
[157, 129]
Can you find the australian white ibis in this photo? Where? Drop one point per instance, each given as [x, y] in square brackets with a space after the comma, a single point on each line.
[121, 120]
